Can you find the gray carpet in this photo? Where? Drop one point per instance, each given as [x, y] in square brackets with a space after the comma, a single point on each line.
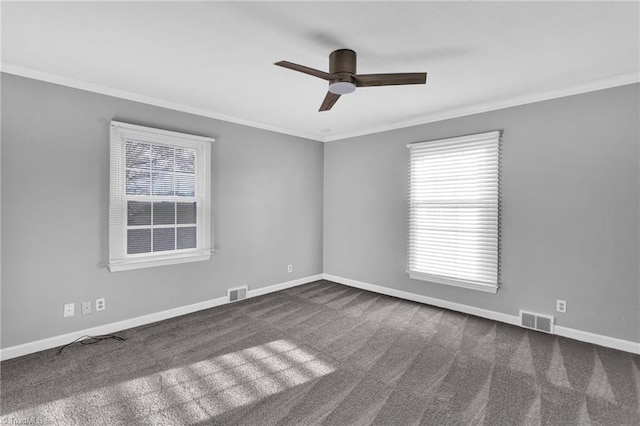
[323, 353]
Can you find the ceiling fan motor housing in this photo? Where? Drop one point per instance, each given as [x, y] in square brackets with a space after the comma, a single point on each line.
[343, 79]
[342, 63]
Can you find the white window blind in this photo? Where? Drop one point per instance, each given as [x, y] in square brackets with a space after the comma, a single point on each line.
[454, 211]
[160, 201]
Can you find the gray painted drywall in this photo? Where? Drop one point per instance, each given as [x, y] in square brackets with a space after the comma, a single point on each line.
[570, 188]
[571, 200]
[267, 211]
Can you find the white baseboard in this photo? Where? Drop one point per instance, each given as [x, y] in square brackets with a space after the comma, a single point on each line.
[53, 342]
[584, 336]
[598, 339]
[283, 286]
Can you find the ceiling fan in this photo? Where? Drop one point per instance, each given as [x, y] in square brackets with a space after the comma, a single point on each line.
[343, 79]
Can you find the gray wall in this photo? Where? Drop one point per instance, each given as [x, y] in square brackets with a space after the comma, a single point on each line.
[267, 204]
[570, 188]
[570, 210]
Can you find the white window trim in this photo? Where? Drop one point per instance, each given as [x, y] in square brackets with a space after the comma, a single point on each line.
[118, 259]
[438, 279]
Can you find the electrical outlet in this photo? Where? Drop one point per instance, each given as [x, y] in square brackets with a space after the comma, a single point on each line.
[69, 309]
[86, 308]
[290, 268]
[101, 304]
[561, 306]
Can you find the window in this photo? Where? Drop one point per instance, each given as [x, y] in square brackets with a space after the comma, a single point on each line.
[160, 197]
[454, 211]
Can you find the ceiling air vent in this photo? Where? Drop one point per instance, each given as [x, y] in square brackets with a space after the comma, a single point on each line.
[237, 293]
[538, 322]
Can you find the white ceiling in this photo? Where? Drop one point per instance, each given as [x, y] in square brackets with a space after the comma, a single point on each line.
[216, 59]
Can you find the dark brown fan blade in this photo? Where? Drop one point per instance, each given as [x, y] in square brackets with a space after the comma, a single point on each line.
[329, 101]
[301, 68]
[368, 80]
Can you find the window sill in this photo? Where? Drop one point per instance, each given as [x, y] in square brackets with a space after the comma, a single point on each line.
[139, 263]
[487, 288]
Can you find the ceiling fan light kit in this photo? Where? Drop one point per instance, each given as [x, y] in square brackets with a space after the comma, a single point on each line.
[343, 79]
[342, 87]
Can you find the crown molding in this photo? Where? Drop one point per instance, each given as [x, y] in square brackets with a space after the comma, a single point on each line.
[620, 80]
[607, 83]
[21, 71]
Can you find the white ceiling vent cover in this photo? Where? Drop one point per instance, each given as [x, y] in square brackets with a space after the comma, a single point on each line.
[538, 322]
[237, 293]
